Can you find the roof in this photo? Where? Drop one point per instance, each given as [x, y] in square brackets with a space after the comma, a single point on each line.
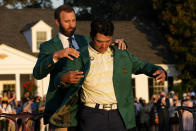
[28, 26]
[144, 41]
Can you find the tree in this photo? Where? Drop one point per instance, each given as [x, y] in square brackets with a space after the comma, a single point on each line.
[40, 4]
[112, 9]
[26, 4]
[178, 19]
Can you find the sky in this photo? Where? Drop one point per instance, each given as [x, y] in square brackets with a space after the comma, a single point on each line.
[57, 3]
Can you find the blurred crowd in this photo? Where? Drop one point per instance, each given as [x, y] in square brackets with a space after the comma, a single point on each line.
[9, 104]
[160, 113]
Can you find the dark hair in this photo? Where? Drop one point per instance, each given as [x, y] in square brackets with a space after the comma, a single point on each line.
[61, 8]
[101, 26]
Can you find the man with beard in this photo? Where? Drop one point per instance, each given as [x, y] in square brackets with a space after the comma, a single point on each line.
[62, 47]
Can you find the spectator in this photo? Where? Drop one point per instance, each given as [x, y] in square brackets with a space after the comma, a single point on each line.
[193, 98]
[144, 116]
[26, 97]
[42, 105]
[9, 96]
[6, 108]
[187, 117]
[37, 122]
[154, 119]
[13, 102]
[173, 114]
[171, 95]
[19, 110]
[163, 112]
[137, 105]
[30, 106]
[41, 110]
[5, 97]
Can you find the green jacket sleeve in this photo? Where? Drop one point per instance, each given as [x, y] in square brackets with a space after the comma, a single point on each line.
[141, 67]
[44, 63]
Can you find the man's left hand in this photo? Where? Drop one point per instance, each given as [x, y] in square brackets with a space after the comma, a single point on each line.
[120, 43]
[160, 75]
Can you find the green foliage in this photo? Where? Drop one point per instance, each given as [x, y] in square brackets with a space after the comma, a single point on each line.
[112, 9]
[179, 20]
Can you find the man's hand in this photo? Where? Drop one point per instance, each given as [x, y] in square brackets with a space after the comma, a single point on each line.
[160, 75]
[67, 52]
[72, 77]
[120, 43]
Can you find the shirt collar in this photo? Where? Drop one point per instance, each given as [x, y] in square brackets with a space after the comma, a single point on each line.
[63, 37]
[96, 52]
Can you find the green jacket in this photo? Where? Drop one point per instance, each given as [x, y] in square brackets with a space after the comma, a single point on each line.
[125, 64]
[45, 66]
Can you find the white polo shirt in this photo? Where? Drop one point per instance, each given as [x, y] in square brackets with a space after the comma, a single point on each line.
[98, 85]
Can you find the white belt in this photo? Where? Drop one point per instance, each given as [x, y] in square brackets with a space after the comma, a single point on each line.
[107, 107]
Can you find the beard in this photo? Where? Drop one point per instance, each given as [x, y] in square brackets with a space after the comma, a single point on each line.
[67, 32]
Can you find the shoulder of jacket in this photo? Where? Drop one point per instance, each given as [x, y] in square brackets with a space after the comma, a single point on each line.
[115, 48]
[50, 42]
[82, 36]
[84, 49]
[79, 35]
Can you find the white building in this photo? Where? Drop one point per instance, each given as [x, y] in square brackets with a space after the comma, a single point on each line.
[22, 31]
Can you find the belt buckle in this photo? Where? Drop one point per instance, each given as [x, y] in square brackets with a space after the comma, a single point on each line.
[107, 107]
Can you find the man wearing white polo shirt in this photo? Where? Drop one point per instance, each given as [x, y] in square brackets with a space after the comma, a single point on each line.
[105, 101]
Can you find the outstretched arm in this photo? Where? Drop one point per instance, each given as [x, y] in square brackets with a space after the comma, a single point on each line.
[152, 70]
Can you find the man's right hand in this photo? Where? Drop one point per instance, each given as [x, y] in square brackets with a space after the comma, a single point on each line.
[72, 77]
[67, 52]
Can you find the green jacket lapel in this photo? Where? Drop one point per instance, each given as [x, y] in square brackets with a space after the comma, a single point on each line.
[116, 55]
[115, 65]
[85, 59]
[82, 40]
[58, 43]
